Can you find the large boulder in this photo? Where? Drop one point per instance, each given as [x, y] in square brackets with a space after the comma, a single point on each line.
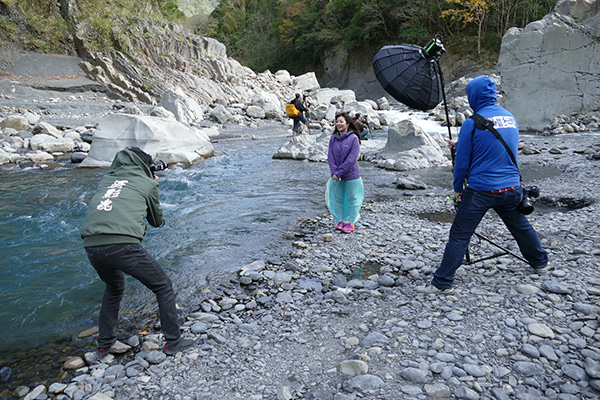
[409, 147]
[51, 144]
[268, 102]
[306, 82]
[305, 147]
[552, 66]
[185, 109]
[324, 96]
[163, 139]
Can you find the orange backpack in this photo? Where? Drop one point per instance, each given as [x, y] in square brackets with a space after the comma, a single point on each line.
[291, 110]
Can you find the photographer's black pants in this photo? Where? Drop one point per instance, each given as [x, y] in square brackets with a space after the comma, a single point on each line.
[111, 261]
[473, 206]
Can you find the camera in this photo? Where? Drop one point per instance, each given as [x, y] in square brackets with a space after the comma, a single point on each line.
[159, 165]
[529, 192]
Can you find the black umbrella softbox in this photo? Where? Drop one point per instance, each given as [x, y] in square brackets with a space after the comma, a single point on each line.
[409, 74]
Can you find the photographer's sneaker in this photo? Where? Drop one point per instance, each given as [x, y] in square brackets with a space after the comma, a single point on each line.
[339, 226]
[434, 290]
[542, 271]
[181, 345]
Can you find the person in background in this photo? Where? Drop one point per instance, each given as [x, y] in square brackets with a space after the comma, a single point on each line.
[112, 233]
[301, 118]
[344, 193]
[362, 127]
[492, 181]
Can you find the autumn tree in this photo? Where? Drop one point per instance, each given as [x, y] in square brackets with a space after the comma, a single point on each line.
[469, 11]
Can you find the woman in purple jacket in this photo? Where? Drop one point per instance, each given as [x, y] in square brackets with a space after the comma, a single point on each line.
[344, 194]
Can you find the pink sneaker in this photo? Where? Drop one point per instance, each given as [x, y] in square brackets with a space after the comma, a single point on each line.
[348, 228]
[339, 226]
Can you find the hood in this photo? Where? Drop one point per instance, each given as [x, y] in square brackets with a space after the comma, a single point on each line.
[344, 135]
[129, 160]
[481, 92]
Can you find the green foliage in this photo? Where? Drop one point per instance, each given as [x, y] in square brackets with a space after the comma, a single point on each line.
[7, 26]
[46, 30]
[103, 22]
[170, 10]
[193, 8]
[295, 34]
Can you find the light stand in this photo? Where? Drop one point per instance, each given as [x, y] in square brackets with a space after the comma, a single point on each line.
[433, 51]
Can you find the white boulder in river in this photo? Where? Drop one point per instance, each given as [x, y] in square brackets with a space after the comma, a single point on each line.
[164, 139]
[409, 147]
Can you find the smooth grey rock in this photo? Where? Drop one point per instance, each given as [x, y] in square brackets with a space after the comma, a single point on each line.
[528, 368]
[198, 327]
[557, 287]
[363, 384]
[592, 368]
[463, 392]
[354, 367]
[416, 375]
[155, 357]
[437, 390]
[530, 350]
[575, 372]
[548, 352]
[474, 370]
[373, 339]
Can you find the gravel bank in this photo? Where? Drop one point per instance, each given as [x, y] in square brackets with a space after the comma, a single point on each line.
[338, 316]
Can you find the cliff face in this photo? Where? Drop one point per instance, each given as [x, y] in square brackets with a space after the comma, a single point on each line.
[153, 57]
[552, 66]
[355, 73]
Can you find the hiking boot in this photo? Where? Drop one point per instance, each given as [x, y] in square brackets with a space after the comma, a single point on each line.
[542, 271]
[339, 226]
[434, 290]
[180, 345]
[348, 228]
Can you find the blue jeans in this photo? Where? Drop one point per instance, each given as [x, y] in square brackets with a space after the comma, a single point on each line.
[473, 206]
[111, 261]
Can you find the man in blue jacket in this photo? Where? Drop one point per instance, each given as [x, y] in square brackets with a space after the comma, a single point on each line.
[112, 234]
[492, 181]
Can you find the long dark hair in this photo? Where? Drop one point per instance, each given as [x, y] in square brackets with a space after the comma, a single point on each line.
[351, 125]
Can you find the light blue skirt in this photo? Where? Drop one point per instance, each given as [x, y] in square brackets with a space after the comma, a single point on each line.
[344, 199]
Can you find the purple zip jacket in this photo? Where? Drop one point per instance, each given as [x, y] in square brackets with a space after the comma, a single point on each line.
[343, 155]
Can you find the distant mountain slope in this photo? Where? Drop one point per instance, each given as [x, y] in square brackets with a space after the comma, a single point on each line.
[195, 7]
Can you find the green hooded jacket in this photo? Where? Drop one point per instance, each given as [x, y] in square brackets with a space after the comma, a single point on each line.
[126, 196]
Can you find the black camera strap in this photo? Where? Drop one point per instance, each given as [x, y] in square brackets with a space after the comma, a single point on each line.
[488, 125]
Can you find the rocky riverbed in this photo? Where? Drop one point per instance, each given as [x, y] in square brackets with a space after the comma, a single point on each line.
[336, 316]
[340, 316]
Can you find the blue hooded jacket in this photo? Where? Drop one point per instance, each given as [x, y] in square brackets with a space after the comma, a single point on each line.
[482, 159]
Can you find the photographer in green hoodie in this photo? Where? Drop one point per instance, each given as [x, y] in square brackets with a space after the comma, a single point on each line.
[112, 233]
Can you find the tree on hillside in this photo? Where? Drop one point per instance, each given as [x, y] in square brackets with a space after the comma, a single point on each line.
[468, 11]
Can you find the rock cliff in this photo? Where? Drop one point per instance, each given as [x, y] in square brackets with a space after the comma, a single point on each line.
[552, 66]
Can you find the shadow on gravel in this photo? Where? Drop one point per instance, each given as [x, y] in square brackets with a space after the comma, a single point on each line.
[542, 205]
